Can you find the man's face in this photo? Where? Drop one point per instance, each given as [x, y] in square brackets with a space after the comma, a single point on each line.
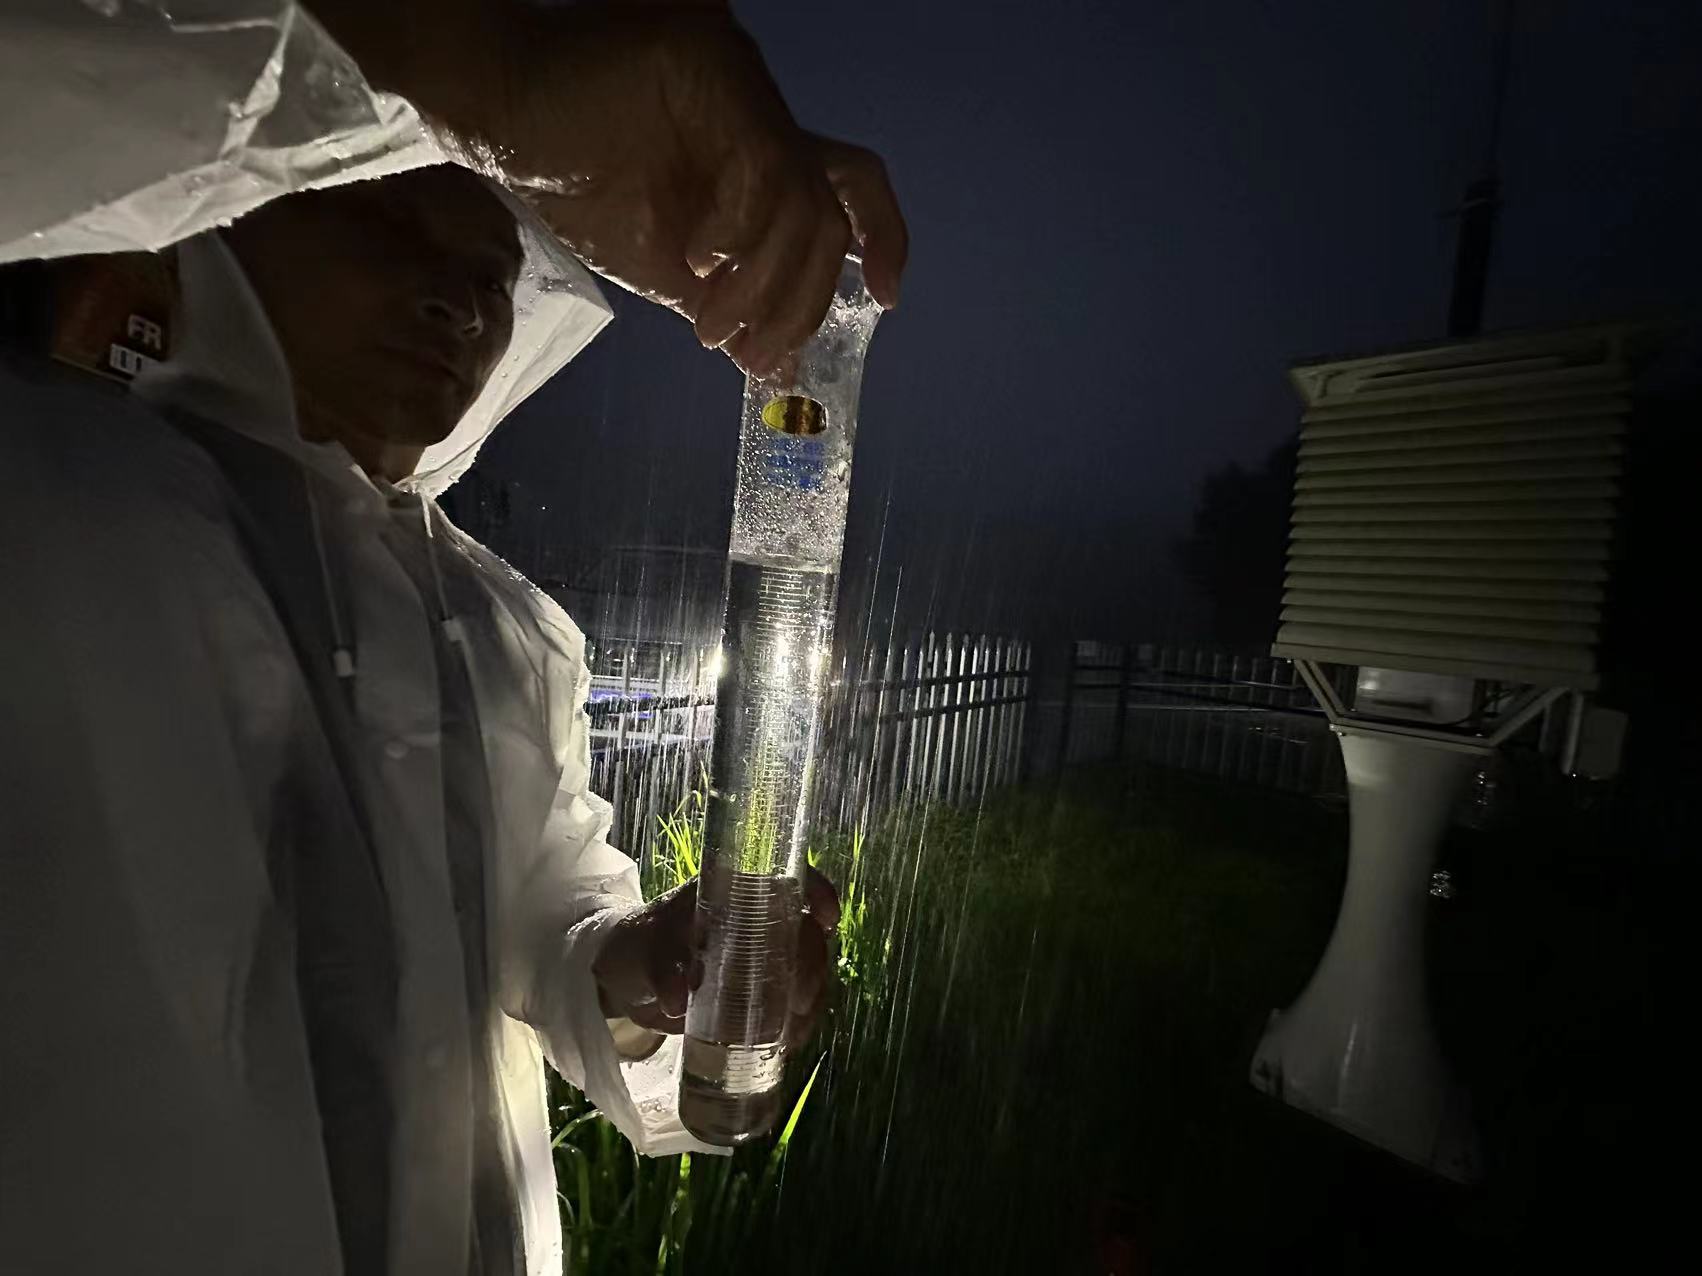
[393, 300]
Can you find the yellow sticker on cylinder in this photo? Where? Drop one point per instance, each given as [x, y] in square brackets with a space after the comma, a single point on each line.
[795, 414]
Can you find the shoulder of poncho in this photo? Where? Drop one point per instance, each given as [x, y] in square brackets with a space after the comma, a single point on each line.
[514, 585]
[95, 429]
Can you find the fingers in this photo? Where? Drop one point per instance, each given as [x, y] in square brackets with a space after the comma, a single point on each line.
[812, 977]
[736, 289]
[642, 971]
[764, 303]
[810, 974]
[740, 207]
[649, 965]
[657, 1020]
[801, 302]
[767, 307]
[821, 898]
[669, 952]
[672, 990]
[810, 984]
[860, 181]
[725, 251]
[743, 350]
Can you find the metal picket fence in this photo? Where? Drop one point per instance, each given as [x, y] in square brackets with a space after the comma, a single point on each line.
[950, 717]
[652, 712]
[940, 717]
[1232, 714]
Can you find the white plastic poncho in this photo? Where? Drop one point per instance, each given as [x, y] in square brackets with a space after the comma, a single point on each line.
[159, 740]
[132, 124]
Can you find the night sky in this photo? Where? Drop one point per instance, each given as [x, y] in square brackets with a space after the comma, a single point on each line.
[1127, 220]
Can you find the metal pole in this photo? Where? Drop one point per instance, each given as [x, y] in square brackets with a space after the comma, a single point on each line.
[1574, 733]
[656, 765]
[930, 765]
[1140, 730]
[1069, 709]
[1021, 685]
[1221, 719]
[954, 714]
[947, 720]
[688, 781]
[1187, 669]
[1165, 744]
[987, 740]
[965, 741]
[939, 699]
[971, 719]
[1001, 713]
[1122, 724]
[1482, 203]
[993, 714]
[1265, 698]
[903, 732]
[1027, 717]
[1293, 763]
[868, 730]
[620, 747]
[888, 666]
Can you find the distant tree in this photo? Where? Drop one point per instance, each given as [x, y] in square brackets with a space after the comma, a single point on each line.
[1234, 553]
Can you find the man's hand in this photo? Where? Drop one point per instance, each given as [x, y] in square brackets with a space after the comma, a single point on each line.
[653, 139]
[643, 972]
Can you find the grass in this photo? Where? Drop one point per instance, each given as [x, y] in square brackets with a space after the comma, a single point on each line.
[1041, 949]
[970, 943]
[1037, 1062]
[631, 1214]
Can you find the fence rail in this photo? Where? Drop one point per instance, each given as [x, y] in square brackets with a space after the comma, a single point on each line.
[652, 713]
[939, 717]
[1243, 717]
[950, 717]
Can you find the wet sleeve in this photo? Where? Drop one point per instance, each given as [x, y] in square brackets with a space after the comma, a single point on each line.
[580, 888]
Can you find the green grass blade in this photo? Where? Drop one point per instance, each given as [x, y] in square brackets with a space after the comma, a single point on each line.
[797, 1111]
[573, 1125]
[777, 1157]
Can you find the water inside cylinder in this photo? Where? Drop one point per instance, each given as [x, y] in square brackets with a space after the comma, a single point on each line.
[749, 898]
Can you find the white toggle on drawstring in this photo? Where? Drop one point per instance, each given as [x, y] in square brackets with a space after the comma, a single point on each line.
[342, 653]
[446, 619]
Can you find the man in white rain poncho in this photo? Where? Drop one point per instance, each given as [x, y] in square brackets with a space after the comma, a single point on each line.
[298, 863]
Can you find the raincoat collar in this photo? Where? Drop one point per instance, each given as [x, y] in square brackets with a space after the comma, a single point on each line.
[227, 367]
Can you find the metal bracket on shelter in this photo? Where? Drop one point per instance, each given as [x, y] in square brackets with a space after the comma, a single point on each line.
[1501, 727]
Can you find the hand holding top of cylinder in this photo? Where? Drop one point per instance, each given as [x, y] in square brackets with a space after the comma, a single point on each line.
[655, 142]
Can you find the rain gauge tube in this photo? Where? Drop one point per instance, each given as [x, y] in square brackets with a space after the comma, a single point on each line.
[782, 577]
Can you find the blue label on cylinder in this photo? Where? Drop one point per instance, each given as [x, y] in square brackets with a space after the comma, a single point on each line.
[795, 462]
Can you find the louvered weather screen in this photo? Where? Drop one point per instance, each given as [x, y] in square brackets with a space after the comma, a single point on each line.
[1453, 508]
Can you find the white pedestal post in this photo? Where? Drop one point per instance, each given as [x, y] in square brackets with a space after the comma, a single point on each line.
[1358, 1048]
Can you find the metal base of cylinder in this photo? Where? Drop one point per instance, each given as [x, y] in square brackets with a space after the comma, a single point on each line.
[728, 1120]
[1358, 1048]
